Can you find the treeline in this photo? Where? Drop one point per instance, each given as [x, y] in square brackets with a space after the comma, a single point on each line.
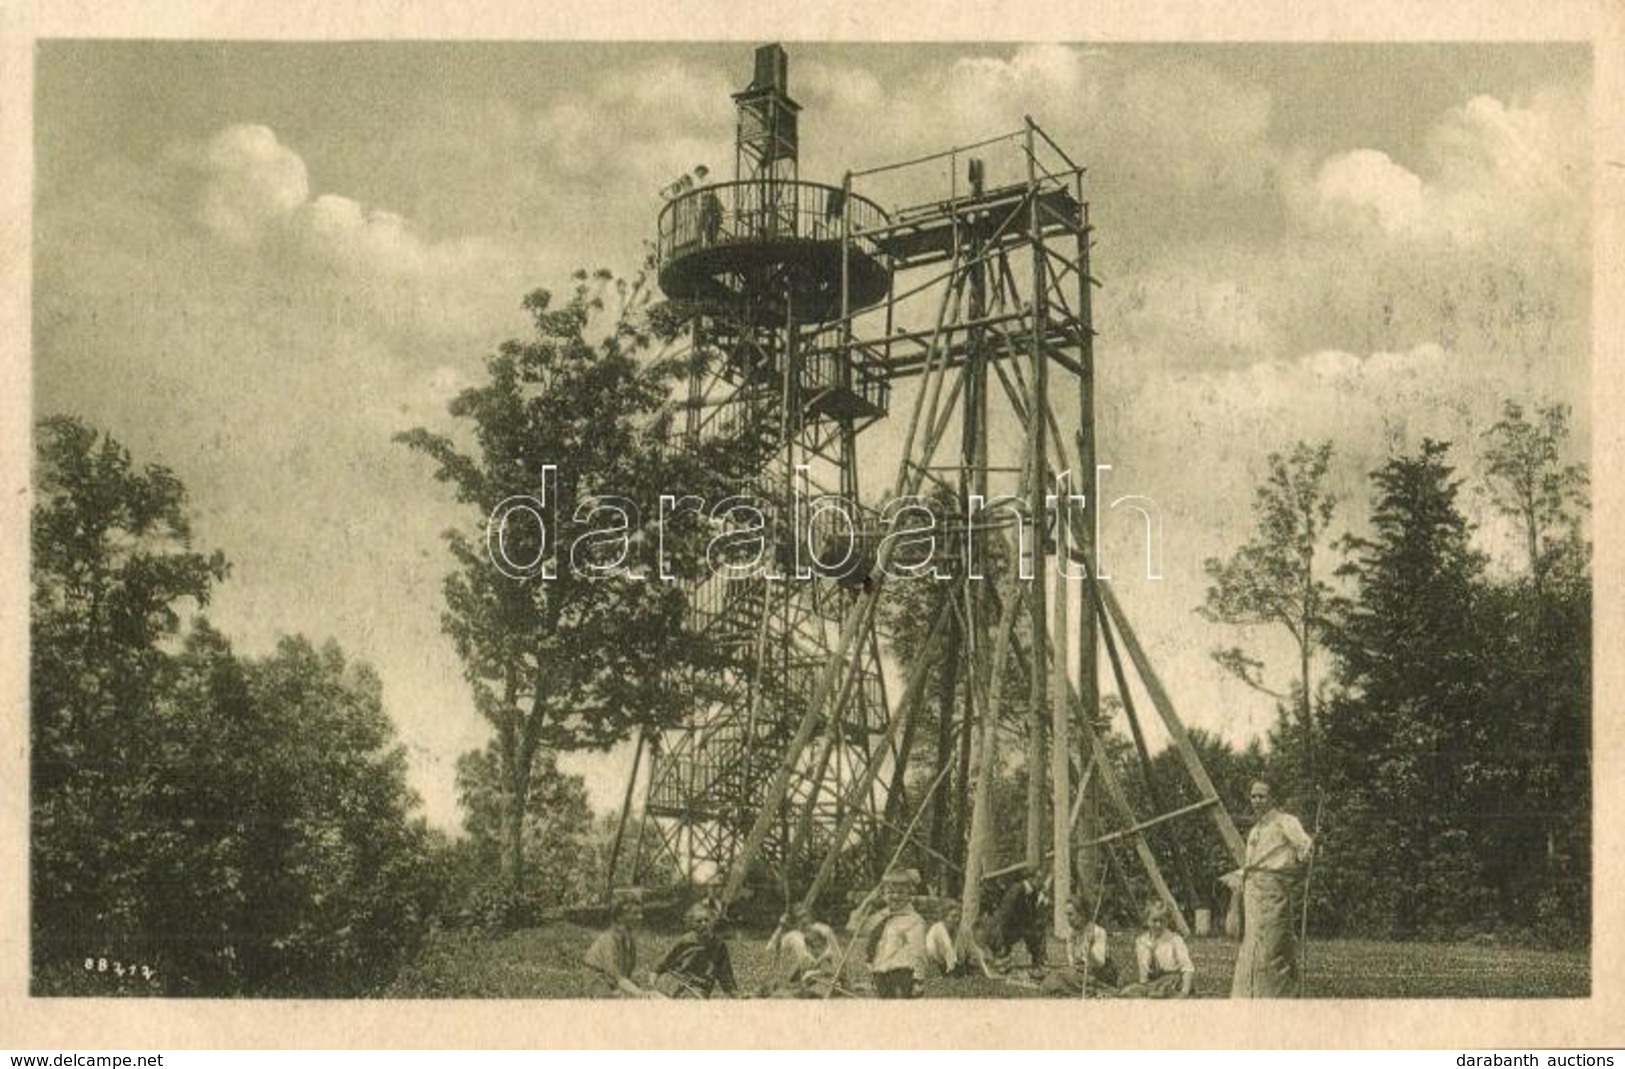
[570, 848]
[1434, 717]
[209, 824]
[1456, 728]
[1445, 745]
[202, 823]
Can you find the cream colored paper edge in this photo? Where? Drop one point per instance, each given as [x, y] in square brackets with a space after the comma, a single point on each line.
[68, 1024]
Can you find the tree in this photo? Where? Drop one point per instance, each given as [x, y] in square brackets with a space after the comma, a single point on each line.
[112, 568]
[577, 660]
[241, 826]
[335, 897]
[1457, 732]
[557, 821]
[1541, 674]
[1409, 731]
[1271, 579]
[1529, 481]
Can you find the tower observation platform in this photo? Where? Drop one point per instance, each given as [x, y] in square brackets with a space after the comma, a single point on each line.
[776, 241]
[793, 251]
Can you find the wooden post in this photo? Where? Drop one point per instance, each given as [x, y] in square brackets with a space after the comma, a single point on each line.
[1037, 488]
[620, 825]
[947, 704]
[918, 673]
[1152, 786]
[1125, 813]
[1088, 654]
[990, 694]
[773, 799]
[1060, 763]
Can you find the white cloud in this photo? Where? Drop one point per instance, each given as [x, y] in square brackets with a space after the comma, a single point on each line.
[1369, 405]
[1491, 170]
[1368, 180]
[256, 191]
[251, 183]
[827, 86]
[1188, 130]
[343, 260]
[1207, 304]
[631, 134]
[287, 449]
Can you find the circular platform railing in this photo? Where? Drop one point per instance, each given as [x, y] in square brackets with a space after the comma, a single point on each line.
[765, 211]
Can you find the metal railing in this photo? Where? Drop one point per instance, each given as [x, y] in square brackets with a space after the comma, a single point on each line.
[821, 371]
[730, 213]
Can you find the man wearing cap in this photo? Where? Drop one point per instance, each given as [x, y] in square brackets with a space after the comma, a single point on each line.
[895, 938]
[1266, 889]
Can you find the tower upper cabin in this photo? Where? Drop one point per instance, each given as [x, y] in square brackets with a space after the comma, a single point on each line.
[768, 245]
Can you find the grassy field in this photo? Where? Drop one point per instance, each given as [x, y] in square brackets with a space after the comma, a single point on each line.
[546, 963]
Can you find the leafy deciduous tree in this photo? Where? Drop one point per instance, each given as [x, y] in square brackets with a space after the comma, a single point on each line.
[1529, 481]
[1271, 579]
[240, 825]
[576, 660]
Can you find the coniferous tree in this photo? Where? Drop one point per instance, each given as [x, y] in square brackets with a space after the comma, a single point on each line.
[1406, 731]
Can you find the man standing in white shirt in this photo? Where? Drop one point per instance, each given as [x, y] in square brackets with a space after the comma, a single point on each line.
[1267, 886]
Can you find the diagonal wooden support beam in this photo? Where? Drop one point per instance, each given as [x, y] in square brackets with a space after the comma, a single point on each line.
[1176, 729]
[1119, 801]
[987, 684]
[1123, 692]
[918, 673]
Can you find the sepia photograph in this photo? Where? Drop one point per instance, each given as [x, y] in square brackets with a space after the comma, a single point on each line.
[802, 519]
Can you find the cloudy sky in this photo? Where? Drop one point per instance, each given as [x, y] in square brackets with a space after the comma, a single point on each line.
[255, 263]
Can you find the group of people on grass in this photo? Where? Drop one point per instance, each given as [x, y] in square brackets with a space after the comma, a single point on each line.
[894, 948]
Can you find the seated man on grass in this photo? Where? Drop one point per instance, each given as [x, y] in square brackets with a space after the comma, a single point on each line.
[1089, 967]
[698, 963]
[614, 954]
[1021, 918]
[948, 953]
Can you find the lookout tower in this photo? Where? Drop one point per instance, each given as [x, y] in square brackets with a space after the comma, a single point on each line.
[771, 270]
[804, 304]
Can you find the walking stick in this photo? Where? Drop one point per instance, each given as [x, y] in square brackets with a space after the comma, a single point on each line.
[1308, 875]
[1100, 898]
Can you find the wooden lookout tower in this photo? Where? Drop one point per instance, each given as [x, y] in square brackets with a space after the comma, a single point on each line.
[812, 314]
